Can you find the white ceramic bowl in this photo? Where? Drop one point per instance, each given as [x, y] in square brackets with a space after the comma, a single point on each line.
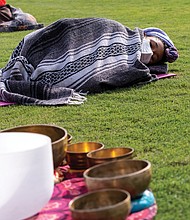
[26, 174]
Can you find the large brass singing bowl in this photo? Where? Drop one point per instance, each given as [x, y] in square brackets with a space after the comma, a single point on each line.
[109, 154]
[133, 176]
[57, 134]
[111, 204]
[76, 154]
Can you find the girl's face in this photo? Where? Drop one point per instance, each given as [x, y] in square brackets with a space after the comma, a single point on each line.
[157, 47]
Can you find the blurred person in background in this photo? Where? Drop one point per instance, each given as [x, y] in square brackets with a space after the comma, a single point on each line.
[14, 19]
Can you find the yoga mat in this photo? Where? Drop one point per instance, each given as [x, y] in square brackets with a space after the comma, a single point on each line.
[159, 76]
[6, 103]
[165, 75]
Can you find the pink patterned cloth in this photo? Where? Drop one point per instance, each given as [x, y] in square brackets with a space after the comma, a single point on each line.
[64, 192]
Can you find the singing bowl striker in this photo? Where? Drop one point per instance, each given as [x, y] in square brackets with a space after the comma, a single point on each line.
[76, 154]
[133, 176]
[109, 154]
[112, 204]
[57, 135]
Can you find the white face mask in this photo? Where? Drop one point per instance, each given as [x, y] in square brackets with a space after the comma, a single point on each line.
[146, 51]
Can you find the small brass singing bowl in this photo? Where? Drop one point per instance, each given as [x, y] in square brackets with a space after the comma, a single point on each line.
[76, 154]
[57, 134]
[111, 204]
[109, 154]
[133, 176]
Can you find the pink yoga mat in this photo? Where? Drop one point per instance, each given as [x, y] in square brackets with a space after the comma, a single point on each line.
[167, 75]
[159, 76]
[6, 103]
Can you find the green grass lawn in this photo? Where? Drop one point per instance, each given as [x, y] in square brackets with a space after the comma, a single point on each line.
[154, 119]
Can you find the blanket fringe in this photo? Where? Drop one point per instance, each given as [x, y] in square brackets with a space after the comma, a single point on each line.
[77, 99]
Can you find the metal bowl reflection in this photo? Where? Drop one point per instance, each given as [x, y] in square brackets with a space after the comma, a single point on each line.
[109, 154]
[57, 134]
[76, 154]
[133, 176]
[112, 204]
[69, 138]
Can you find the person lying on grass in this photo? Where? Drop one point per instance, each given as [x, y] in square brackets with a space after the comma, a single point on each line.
[14, 19]
[86, 54]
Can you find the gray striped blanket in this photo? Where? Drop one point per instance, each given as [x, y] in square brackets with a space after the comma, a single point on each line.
[53, 65]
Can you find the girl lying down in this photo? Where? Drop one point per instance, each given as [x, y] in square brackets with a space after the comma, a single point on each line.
[52, 65]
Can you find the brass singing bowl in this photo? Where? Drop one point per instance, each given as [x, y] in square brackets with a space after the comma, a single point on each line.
[133, 176]
[76, 154]
[57, 134]
[111, 204]
[109, 154]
